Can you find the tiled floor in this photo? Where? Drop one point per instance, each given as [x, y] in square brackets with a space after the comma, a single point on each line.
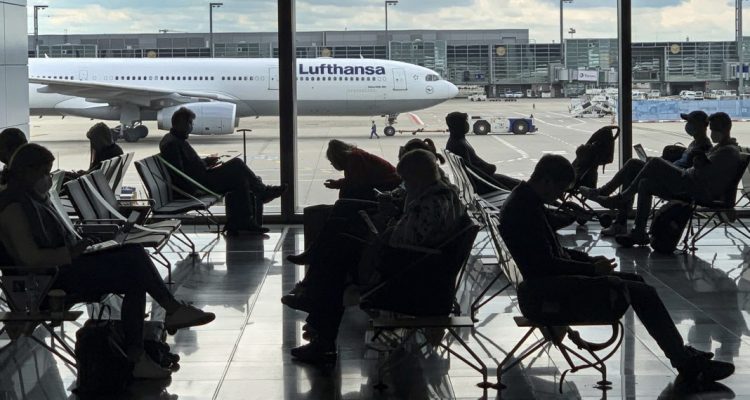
[244, 354]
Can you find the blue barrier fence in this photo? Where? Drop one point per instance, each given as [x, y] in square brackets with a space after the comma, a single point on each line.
[669, 110]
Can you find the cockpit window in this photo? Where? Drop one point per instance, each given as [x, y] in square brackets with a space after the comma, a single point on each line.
[432, 77]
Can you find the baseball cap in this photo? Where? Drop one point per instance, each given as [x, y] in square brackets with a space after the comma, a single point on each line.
[698, 117]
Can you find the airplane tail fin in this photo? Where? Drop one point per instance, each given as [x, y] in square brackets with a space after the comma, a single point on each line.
[415, 119]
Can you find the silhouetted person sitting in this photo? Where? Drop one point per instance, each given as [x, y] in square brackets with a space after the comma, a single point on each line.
[363, 172]
[344, 216]
[707, 180]
[575, 286]
[10, 140]
[696, 126]
[232, 176]
[34, 235]
[431, 214]
[458, 125]
[103, 147]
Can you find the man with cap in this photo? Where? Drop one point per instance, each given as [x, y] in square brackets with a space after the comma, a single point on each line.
[696, 125]
[707, 180]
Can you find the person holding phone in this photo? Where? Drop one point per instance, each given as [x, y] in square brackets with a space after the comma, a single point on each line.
[363, 172]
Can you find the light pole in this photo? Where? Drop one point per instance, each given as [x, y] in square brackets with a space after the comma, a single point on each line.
[572, 32]
[562, 47]
[36, 29]
[211, 25]
[387, 40]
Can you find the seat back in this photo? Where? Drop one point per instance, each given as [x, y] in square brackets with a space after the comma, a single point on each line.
[110, 166]
[428, 285]
[102, 205]
[83, 206]
[98, 181]
[57, 180]
[730, 197]
[157, 180]
[507, 264]
[58, 206]
[461, 178]
[116, 181]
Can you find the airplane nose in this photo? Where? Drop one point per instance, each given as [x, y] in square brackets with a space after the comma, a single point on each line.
[452, 90]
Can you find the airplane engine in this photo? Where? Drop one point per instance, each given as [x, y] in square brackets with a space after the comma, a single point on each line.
[211, 118]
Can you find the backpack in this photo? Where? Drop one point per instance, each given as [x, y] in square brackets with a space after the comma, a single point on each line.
[103, 366]
[599, 150]
[669, 222]
[244, 212]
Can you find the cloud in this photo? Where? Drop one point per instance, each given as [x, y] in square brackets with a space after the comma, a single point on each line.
[656, 20]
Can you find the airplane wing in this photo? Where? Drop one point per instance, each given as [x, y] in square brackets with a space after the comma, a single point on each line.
[115, 93]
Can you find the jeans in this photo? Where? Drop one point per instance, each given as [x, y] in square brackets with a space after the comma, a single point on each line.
[234, 175]
[623, 178]
[126, 271]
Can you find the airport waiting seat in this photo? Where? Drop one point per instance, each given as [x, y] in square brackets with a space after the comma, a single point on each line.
[93, 209]
[554, 334]
[423, 297]
[465, 178]
[165, 196]
[107, 206]
[708, 216]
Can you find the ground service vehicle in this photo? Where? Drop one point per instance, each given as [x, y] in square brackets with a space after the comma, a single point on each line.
[482, 125]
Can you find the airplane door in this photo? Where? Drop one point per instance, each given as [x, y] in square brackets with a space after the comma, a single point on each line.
[399, 79]
[83, 75]
[273, 79]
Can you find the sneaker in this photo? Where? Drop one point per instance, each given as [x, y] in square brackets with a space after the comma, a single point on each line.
[297, 301]
[699, 369]
[588, 192]
[693, 352]
[615, 230]
[315, 352]
[298, 259]
[185, 317]
[146, 368]
[633, 238]
[273, 192]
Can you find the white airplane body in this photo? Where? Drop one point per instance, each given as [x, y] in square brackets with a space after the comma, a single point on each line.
[220, 91]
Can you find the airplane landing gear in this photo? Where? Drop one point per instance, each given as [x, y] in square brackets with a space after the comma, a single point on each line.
[389, 130]
[131, 135]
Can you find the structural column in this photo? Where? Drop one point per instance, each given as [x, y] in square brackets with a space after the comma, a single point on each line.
[287, 106]
[625, 79]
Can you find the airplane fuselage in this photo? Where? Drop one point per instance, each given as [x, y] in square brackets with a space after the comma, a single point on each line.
[325, 86]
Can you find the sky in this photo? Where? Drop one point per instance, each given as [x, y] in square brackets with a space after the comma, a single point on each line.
[654, 20]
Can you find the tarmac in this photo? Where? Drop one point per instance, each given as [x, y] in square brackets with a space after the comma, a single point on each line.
[515, 155]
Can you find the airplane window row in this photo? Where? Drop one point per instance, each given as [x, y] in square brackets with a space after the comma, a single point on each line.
[67, 78]
[339, 78]
[236, 78]
[164, 78]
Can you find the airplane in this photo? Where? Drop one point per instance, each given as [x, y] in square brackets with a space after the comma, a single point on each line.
[220, 91]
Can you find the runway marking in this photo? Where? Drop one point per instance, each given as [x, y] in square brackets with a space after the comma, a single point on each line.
[523, 154]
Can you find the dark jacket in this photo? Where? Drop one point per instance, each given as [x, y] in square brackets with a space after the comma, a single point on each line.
[533, 243]
[105, 153]
[178, 152]
[458, 145]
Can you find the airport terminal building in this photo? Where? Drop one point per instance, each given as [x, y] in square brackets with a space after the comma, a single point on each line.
[499, 59]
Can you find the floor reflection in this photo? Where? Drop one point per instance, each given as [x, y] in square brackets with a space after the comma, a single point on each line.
[245, 353]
